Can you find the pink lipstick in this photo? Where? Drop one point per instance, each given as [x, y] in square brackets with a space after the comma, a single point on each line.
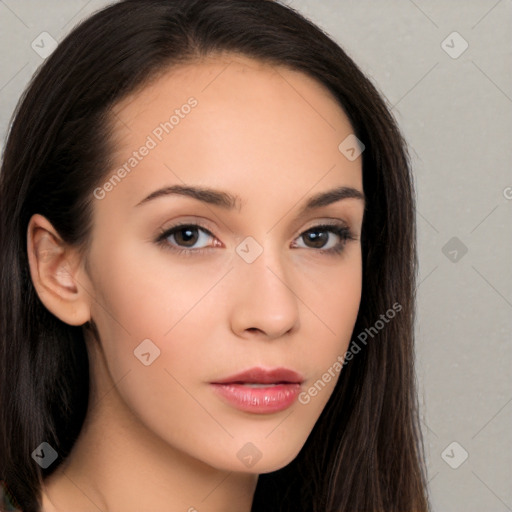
[260, 391]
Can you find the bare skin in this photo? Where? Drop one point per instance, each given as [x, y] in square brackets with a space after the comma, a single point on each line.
[156, 436]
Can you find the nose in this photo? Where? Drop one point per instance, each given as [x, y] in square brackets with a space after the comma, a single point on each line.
[262, 298]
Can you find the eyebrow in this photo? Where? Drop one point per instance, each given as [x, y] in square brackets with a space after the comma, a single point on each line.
[229, 201]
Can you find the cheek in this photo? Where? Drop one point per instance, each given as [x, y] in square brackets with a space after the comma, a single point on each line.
[145, 293]
[334, 304]
[332, 294]
[156, 318]
[154, 321]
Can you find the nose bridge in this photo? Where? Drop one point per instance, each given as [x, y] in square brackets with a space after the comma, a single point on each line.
[265, 297]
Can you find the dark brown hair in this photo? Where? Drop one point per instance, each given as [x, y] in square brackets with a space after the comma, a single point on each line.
[365, 452]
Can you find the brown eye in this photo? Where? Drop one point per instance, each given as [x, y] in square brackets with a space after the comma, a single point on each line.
[321, 238]
[317, 237]
[184, 237]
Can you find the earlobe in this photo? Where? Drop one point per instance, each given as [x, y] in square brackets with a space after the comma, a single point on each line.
[55, 272]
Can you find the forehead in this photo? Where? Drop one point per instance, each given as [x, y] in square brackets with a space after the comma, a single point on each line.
[231, 121]
[228, 77]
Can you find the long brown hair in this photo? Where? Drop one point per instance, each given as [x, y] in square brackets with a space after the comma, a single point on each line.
[365, 452]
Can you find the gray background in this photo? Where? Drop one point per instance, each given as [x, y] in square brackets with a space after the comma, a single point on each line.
[456, 116]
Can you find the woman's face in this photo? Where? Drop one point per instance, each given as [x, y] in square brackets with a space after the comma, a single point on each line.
[246, 285]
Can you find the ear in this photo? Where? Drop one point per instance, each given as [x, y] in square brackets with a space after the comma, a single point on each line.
[57, 273]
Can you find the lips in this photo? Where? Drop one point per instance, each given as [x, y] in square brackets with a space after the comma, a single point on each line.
[260, 391]
[262, 376]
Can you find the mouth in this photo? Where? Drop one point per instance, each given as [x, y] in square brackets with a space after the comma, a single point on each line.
[260, 391]
[260, 376]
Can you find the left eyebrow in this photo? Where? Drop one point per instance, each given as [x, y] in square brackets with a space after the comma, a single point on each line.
[331, 196]
[229, 201]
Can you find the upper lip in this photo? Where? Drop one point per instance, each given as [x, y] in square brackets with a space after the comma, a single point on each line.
[263, 376]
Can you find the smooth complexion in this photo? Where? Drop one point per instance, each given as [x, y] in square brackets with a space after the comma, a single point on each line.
[158, 437]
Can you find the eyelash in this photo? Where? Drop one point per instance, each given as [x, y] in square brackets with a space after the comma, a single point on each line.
[338, 229]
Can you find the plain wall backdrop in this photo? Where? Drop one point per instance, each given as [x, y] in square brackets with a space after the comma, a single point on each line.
[445, 68]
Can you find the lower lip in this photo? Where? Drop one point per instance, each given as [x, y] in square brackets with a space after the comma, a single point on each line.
[261, 400]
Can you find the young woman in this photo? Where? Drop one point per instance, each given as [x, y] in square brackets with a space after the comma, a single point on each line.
[207, 267]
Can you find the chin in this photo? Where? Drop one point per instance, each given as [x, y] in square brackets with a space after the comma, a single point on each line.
[266, 459]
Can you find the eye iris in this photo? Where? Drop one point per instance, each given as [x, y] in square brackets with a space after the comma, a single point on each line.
[319, 240]
[188, 239]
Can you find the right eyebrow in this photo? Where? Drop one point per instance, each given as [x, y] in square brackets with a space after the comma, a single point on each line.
[204, 194]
